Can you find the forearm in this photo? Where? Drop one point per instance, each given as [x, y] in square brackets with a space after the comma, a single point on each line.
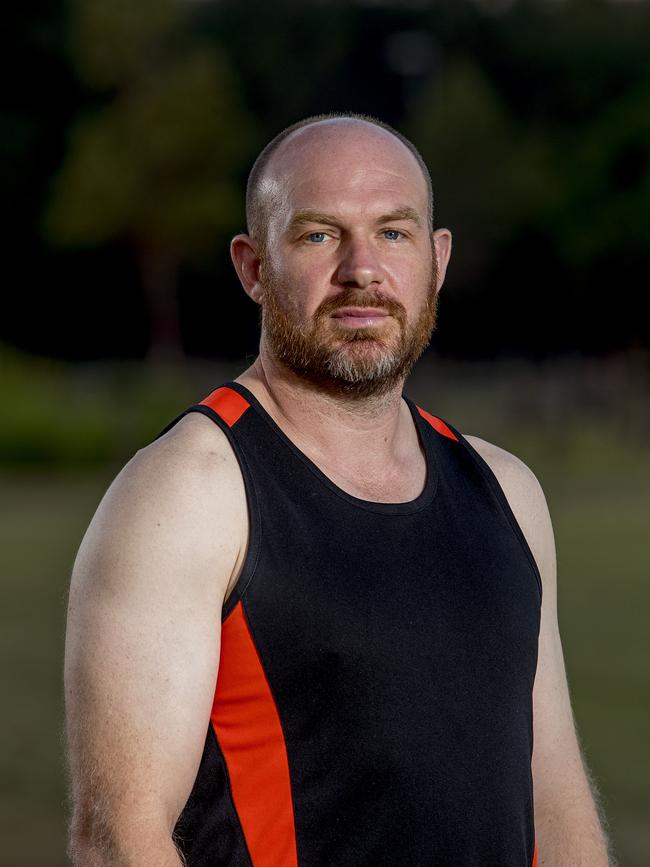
[562, 842]
[570, 829]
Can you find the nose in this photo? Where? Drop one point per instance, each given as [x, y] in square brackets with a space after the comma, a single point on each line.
[359, 265]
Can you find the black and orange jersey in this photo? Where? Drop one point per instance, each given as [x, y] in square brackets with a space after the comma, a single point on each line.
[373, 703]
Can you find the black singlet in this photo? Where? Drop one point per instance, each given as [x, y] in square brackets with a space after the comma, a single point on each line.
[373, 704]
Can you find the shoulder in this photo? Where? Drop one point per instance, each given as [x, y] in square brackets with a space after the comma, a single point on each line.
[179, 503]
[195, 449]
[194, 470]
[507, 467]
[526, 499]
[189, 469]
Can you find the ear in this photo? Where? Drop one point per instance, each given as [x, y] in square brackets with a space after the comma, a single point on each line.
[245, 258]
[442, 246]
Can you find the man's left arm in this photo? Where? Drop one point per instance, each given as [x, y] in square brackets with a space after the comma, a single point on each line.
[569, 820]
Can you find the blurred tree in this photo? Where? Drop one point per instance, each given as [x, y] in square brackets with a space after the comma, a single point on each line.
[157, 163]
[488, 174]
[606, 171]
[509, 108]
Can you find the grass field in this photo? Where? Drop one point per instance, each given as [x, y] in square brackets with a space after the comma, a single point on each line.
[597, 484]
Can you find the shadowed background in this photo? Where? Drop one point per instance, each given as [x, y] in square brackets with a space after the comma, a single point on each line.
[128, 132]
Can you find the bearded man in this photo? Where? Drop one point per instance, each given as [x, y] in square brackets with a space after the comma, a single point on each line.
[312, 624]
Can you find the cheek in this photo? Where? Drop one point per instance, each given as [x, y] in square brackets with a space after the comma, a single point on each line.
[293, 299]
[406, 266]
[411, 282]
[305, 289]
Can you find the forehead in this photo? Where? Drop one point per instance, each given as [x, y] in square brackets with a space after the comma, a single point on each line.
[344, 166]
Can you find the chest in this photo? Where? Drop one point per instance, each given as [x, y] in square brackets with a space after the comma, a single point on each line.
[428, 592]
[374, 481]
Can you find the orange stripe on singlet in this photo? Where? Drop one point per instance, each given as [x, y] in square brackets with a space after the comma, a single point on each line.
[438, 424]
[227, 403]
[248, 728]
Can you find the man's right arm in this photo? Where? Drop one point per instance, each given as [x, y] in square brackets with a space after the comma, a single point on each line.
[143, 642]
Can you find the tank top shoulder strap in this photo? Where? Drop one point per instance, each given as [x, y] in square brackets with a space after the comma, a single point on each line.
[493, 485]
[225, 406]
[442, 427]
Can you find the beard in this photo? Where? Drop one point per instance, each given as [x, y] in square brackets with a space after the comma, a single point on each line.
[357, 362]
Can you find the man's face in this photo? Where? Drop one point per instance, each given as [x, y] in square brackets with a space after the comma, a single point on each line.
[349, 274]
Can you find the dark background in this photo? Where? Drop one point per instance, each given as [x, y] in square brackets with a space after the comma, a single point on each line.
[534, 118]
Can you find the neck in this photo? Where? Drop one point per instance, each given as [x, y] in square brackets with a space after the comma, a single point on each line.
[294, 396]
[305, 407]
[369, 446]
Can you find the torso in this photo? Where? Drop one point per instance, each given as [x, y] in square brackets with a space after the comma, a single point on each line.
[412, 622]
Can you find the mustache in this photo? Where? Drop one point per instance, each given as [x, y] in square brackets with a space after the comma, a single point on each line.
[364, 298]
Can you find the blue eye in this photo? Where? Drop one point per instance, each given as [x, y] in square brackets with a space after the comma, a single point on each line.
[393, 232]
[316, 237]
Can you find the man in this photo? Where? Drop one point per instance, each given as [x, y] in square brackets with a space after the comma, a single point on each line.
[356, 602]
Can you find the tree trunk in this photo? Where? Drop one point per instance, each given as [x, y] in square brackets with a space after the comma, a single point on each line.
[159, 274]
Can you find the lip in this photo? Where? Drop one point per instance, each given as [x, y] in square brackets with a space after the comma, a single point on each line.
[360, 317]
[360, 313]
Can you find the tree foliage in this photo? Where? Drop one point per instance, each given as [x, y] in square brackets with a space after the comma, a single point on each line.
[158, 162]
[533, 115]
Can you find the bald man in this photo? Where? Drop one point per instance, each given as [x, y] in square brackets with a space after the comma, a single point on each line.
[311, 623]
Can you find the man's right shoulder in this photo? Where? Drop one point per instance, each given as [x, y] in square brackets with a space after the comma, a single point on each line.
[176, 508]
[195, 445]
[189, 474]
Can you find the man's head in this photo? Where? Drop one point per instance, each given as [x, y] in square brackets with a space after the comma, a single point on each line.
[259, 198]
[341, 254]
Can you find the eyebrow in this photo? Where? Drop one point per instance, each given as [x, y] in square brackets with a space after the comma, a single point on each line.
[310, 215]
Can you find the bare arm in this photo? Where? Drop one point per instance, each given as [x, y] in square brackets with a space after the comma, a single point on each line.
[568, 822]
[143, 642]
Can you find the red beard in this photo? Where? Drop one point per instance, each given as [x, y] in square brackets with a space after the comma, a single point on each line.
[360, 362]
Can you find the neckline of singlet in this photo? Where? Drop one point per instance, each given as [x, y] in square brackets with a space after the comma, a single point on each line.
[400, 508]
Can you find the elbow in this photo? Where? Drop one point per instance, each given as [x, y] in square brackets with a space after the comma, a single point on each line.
[96, 839]
[89, 840]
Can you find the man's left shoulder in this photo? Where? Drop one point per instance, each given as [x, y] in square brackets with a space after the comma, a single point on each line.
[526, 499]
[507, 467]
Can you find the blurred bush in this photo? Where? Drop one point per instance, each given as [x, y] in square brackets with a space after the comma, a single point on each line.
[54, 413]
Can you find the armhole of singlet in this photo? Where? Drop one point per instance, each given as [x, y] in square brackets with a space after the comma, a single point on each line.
[254, 520]
[499, 495]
